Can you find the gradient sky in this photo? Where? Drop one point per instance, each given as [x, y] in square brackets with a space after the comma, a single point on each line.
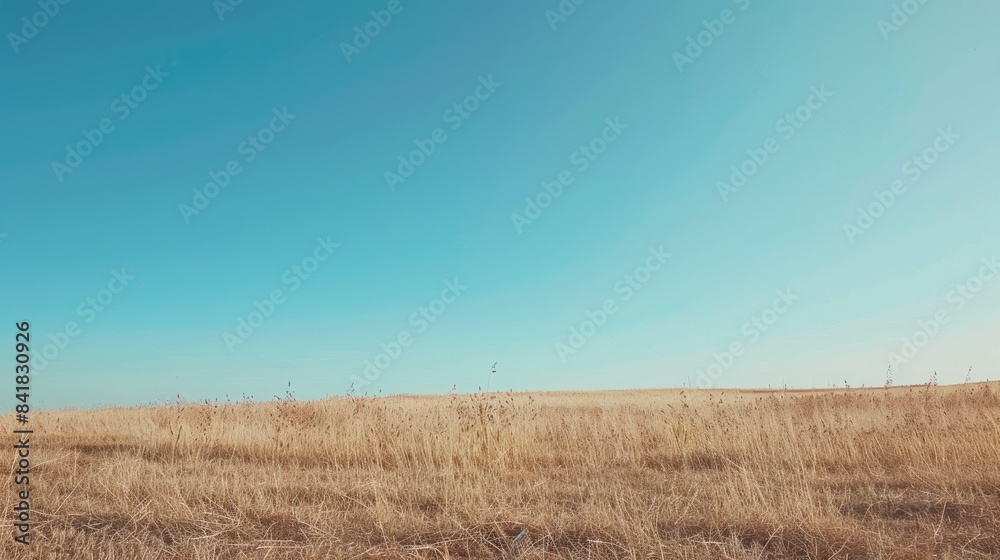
[655, 185]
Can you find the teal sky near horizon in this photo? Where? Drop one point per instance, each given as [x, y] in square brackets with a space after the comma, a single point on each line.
[775, 279]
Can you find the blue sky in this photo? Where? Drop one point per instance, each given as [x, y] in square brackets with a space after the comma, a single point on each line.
[309, 117]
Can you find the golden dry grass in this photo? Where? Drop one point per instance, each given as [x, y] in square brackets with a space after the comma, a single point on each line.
[879, 473]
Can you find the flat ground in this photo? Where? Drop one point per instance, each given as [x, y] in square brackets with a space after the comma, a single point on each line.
[867, 473]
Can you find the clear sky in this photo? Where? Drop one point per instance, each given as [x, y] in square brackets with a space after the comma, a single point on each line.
[137, 269]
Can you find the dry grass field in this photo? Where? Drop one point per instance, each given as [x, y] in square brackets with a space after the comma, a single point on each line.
[868, 473]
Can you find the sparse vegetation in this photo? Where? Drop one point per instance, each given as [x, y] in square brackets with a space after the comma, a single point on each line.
[901, 473]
